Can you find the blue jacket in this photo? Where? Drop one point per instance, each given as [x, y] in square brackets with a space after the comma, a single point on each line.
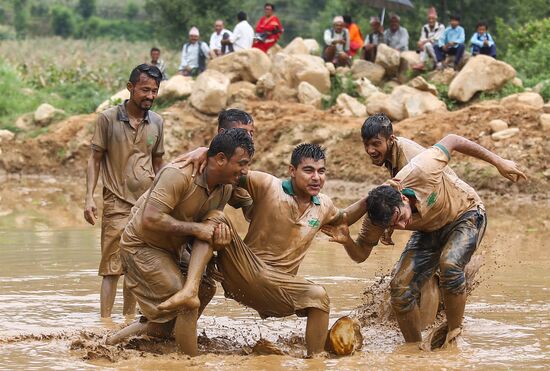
[478, 39]
[455, 35]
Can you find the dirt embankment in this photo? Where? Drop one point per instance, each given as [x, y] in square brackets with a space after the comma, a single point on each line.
[63, 150]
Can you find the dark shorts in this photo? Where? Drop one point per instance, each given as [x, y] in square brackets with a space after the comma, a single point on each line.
[449, 249]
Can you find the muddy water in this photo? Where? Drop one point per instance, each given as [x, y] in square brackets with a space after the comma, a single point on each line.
[49, 293]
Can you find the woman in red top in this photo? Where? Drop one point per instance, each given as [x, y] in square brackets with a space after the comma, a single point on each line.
[268, 29]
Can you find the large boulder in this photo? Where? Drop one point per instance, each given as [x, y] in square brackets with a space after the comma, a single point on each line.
[265, 85]
[293, 69]
[312, 46]
[245, 64]
[177, 86]
[210, 92]
[241, 91]
[388, 58]
[115, 99]
[362, 68]
[420, 83]
[296, 46]
[46, 113]
[481, 73]
[527, 98]
[347, 105]
[365, 87]
[308, 94]
[407, 60]
[404, 102]
[444, 77]
[6, 136]
[544, 121]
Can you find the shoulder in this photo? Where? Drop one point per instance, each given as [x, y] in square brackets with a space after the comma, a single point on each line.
[155, 118]
[325, 200]
[175, 175]
[110, 114]
[407, 144]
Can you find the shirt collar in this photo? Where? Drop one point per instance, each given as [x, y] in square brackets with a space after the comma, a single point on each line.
[391, 163]
[289, 190]
[200, 180]
[122, 113]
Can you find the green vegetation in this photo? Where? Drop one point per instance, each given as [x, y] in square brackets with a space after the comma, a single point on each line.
[339, 85]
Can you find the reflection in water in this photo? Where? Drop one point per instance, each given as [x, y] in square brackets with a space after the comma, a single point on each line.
[49, 285]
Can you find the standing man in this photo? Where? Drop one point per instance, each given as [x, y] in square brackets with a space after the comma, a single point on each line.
[355, 36]
[243, 34]
[127, 147]
[219, 34]
[373, 39]
[448, 219]
[451, 43]
[157, 62]
[193, 55]
[337, 43]
[397, 37]
[429, 37]
[268, 29]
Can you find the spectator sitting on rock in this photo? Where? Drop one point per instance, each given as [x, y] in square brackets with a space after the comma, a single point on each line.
[429, 36]
[482, 42]
[193, 55]
[452, 43]
[337, 43]
[268, 29]
[355, 36]
[243, 34]
[397, 37]
[219, 34]
[157, 62]
[373, 39]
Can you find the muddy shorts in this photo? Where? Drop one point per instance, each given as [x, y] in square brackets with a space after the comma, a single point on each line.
[251, 282]
[113, 222]
[153, 276]
[449, 248]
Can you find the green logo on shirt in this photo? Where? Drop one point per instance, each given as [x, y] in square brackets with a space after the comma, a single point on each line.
[314, 223]
[432, 198]
[150, 140]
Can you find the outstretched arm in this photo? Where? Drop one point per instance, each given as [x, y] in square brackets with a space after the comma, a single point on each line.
[506, 168]
[355, 211]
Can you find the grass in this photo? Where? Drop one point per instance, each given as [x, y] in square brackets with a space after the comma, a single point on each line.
[340, 84]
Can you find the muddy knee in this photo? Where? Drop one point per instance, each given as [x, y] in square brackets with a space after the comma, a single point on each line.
[404, 294]
[452, 277]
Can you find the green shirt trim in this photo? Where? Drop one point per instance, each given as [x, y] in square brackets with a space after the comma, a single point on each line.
[408, 192]
[445, 150]
[287, 188]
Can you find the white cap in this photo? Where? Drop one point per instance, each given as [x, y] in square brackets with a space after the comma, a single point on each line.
[194, 31]
[338, 19]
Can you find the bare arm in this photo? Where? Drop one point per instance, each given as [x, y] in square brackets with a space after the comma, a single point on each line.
[157, 163]
[355, 211]
[92, 175]
[197, 158]
[506, 168]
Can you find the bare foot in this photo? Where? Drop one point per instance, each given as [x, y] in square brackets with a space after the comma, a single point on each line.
[180, 300]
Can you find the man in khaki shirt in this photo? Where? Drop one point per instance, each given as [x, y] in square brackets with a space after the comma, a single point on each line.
[261, 271]
[448, 220]
[177, 211]
[127, 149]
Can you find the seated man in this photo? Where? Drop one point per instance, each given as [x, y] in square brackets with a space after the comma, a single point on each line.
[261, 271]
[193, 55]
[157, 62]
[397, 37]
[448, 220]
[355, 37]
[219, 34]
[482, 41]
[451, 43]
[337, 43]
[429, 36]
[373, 39]
[171, 215]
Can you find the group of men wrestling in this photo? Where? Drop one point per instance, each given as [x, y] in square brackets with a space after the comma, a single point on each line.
[176, 239]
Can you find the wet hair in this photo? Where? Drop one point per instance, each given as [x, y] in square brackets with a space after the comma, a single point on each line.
[381, 203]
[455, 17]
[241, 16]
[154, 49]
[151, 71]
[377, 124]
[306, 150]
[271, 5]
[232, 117]
[228, 141]
[480, 24]
[347, 19]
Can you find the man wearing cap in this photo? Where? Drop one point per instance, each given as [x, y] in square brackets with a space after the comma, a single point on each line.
[375, 38]
[397, 37]
[219, 34]
[193, 55]
[337, 43]
[429, 36]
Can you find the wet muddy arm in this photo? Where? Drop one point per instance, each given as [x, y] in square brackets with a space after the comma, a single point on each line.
[355, 211]
[92, 172]
[157, 163]
[369, 235]
[197, 158]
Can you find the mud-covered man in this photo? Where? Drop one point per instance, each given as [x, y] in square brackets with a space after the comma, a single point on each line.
[261, 271]
[127, 149]
[174, 213]
[448, 219]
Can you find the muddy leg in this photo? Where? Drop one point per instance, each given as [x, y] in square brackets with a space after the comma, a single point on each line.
[107, 295]
[185, 332]
[188, 296]
[129, 304]
[316, 330]
[454, 309]
[141, 328]
[409, 323]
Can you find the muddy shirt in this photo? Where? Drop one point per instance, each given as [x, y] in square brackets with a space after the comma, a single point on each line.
[278, 234]
[440, 197]
[184, 198]
[127, 164]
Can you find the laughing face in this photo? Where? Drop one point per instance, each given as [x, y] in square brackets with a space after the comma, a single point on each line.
[309, 177]
[378, 148]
